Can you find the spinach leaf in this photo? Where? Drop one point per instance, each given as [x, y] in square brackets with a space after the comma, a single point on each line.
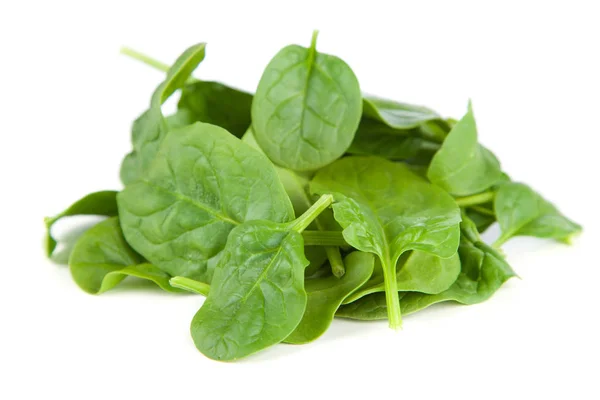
[482, 215]
[150, 128]
[386, 209]
[523, 212]
[217, 104]
[462, 166]
[373, 138]
[483, 272]
[296, 186]
[396, 115]
[325, 295]
[416, 271]
[97, 203]
[203, 183]
[257, 296]
[102, 258]
[306, 108]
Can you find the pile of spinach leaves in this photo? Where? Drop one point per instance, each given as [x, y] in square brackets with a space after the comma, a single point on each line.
[302, 202]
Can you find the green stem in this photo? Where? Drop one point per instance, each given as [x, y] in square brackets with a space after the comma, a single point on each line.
[190, 285]
[499, 242]
[333, 253]
[391, 293]
[303, 221]
[152, 62]
[475, 199]
[136, 55]
[483, 210]
[323, 238]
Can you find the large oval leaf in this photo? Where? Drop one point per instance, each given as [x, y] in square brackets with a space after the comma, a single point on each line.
[203, 182]
[257, 296]
[386, 209]
[306, 108]
[462, 166]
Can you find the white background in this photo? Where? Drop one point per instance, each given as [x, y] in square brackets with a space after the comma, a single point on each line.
[67, 100]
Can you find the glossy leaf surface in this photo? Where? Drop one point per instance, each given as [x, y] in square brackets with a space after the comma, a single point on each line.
[395, 114]
[306, 108]
[203, 182]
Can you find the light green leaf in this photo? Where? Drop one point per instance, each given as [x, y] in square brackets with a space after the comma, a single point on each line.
[102, 258]
[306, 108]
[523, 212]
[203, 183]
[462, 166]
[395, 114]
[386, 209]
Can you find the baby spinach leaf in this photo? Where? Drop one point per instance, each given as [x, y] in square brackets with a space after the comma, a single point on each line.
[325, 295]
[386, 209]
[483, 272]
[296, 186]
[97, 203]
[523, 212]
[150, 128]
[306, 108]
[102, 258]
[482, 215]
[217, 104]
[257, 296]
[462, 166]
[373, 138]
[397, 115]
[416, 271]
[203, 182]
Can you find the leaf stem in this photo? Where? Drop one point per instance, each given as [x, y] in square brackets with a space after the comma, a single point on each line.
[483, 210]
[190, 285]
[479, 198]
[323, 238]
[391, 294]
[303, 221]
[136, 55]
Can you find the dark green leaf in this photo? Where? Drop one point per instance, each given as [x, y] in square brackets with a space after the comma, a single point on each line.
[98, 203]
[462, 166]
[397, 115]
[306, 108]
[326, 294]
[217, 104]
[203, 182]
[102, 258]
[523, 212]
[151, 127]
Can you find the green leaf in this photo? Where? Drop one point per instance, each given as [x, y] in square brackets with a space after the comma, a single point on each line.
[203, 183]
[306, 108]
[483, 272]
[397, 115]
[386, 209]
[102, 258]
[326, 294]
[257, 297]
[151, 127]
[373, 138]
[523, 212]
[98, 203]
[462, 166]
[482, 215]
[217, 104]
[416, 271]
